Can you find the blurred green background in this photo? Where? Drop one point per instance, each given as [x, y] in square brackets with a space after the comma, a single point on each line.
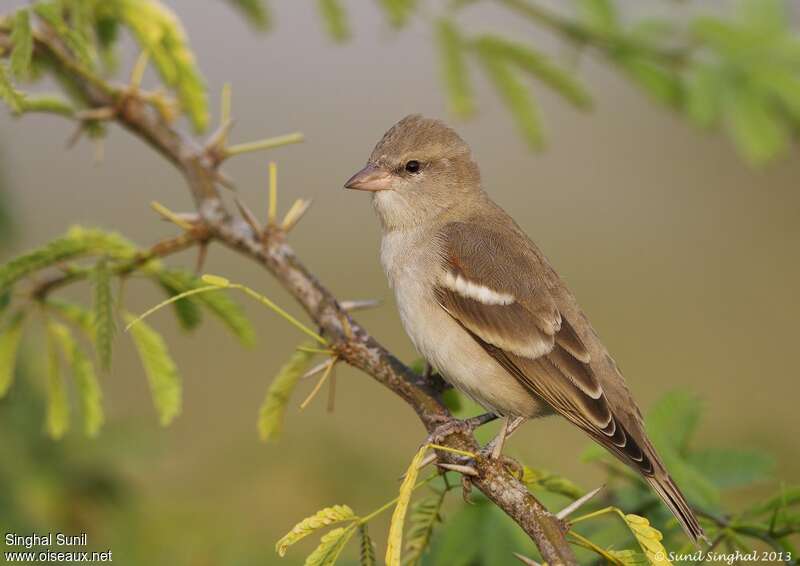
[684, 257]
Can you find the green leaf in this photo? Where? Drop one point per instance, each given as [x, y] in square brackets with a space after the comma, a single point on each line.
[321, 519]
[629, 557]
[219, 303]
[398, 11]
[599, 15]
[74, 314]
[57, 419]
[162, 374]
[271, 413]
[331, 546]
[103, 313]
[649, 538]
[255, 11]
[12, 97]
[673, 420]
[51, 13]
[788, 496]
[663, 84]
[22, 38]
[541, 479]
[9, 345]
[424, 516]
[187, 310]
[367, 549]
[454, 69]
[48, 104]
[159, 32]
[83, 373]
[784, 85]
[335, 19]
[55, 251]
[704, 90]
[452, 400]
[515, 95]
[729, 468]
[540, 67]
[757, 129]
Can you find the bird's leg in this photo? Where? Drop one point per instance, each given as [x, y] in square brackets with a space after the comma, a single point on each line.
[495, 447]
[452, 425]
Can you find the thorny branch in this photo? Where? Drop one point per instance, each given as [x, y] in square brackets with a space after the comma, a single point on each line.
[351, 342]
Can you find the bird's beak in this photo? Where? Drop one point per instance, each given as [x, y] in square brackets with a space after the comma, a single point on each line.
[370, 178]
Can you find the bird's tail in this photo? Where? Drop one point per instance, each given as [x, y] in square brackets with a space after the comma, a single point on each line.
[674, 499]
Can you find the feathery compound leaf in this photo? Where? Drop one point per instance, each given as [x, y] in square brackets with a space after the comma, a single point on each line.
[52, 14]
[162, 374]
[9, 345]
[541, 479]
[74, 314]
[454, 68]
[219, 303]
[160, 33]
[255, 11]
[22, 38]
[270, 415]
[649, 539]
[186, 310]
[661, 83]
[319, 520]
[49, 104]
[513, 92]
[398, 10]
[57, 250]
[599, 15]
[99, 241]
[424, 516]
[12, 97]
[83, 373]
[367, 550]
[540, 67]
[757, 129]
[394, 546]
[335, 19]
[103, 309]
[330, 546]
[57, 419]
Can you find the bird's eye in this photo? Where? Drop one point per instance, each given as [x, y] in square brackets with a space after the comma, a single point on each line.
[412, 166]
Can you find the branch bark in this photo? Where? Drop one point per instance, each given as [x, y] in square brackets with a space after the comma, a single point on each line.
[350, 340]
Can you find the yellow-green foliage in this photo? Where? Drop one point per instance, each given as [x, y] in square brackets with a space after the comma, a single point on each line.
[9, 344]
[88, 387]
[270, 416]
[454, 68]
[321, 519]
[425, 515]
[394, 545]
[367, 548]
[161, 35]
[57, 419]
[103, 319]
[541, 479]
[22, 38]
[162, 374]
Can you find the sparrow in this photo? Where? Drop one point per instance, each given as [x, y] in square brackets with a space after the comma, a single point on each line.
[485, 308]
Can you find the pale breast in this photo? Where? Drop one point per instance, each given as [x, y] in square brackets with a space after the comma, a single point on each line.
[411, 270]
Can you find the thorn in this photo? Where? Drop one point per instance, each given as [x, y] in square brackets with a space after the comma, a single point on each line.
[525, 560]
[171, 216]
[577, 503]
[356, 305]
[216, 141]
[202, 253]
[224, 180]
[137, 73]
[463, 470]
[272, 210]
[248, 216]
[322, 380]
[295, 213]
[225, 107]
[332, 391]
[426, 461]
[315, 370]
[264, 144]
[509, 430]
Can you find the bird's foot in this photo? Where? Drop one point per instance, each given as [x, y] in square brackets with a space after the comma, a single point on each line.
[494, 448]
[450, 426]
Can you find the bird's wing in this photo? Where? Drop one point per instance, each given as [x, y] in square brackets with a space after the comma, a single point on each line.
[500, 288]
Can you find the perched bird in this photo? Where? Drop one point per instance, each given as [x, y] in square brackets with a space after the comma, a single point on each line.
[482, 304]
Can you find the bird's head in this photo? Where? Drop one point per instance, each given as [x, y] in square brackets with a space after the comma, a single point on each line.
[420, 169]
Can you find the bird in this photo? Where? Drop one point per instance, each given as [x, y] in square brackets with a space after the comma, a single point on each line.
[482, 304]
